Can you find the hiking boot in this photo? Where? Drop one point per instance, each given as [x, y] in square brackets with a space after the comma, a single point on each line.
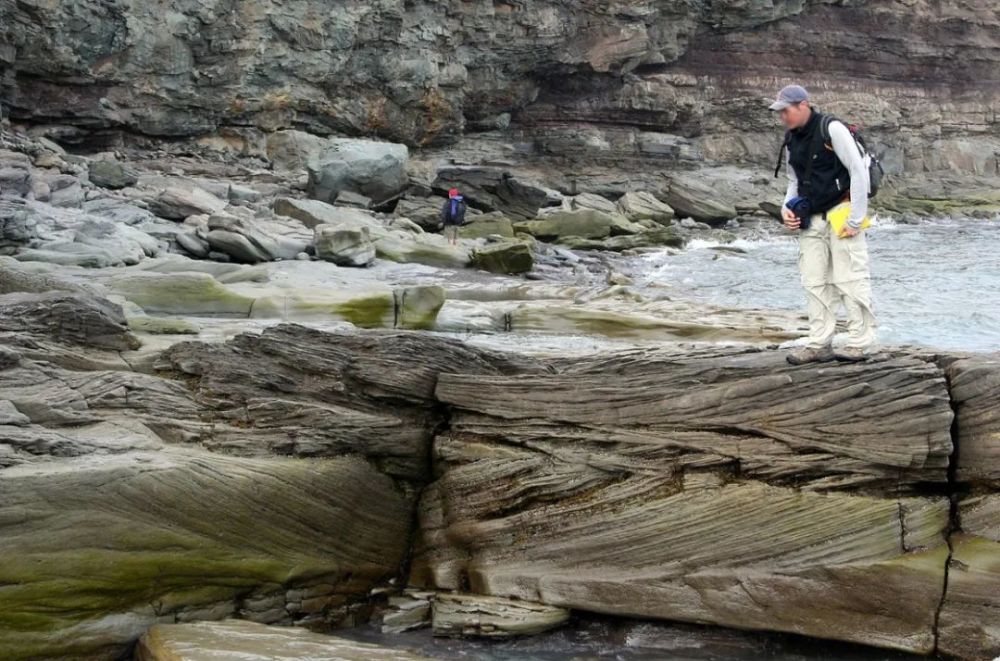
[851, 355]
[810, 355]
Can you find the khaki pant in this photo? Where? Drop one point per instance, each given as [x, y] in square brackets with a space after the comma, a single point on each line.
[835, 271]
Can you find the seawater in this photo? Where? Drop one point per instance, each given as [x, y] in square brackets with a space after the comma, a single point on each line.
[935, 284]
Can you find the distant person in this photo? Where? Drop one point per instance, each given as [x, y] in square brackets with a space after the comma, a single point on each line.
[453, 215]
[828, 185]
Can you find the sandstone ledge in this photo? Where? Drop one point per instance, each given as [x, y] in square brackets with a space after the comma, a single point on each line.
[275, 477]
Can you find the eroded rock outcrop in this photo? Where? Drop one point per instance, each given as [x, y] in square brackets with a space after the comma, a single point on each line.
[709, 485]
[112, 520]
[718, 488]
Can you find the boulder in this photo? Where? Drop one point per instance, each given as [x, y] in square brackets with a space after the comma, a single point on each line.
[344, 246]
[197, 294]
[508, 257]
[15, 173]
[645, 239]
[250, 641]
[430, 249]
[771, 209]
[692, 199]
[589, 201]
[643, 205]
[18, 224]
[484, 225]
[417, 307]
[193, 244]
[585, 223]
[69, 317]
[313, 212]
[492, 617]
[111, 174]
[63, 190]
[291, 151]
[348, 198]
[126, 244]
[175, 203]
[237, 246]
[376, 170]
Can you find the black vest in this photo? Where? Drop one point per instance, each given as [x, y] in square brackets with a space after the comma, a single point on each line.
[829, 181]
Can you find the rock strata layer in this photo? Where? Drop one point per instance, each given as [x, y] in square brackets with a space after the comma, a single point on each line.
[235, 639]
[276, 477]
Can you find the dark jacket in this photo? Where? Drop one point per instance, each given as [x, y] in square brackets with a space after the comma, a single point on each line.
[829, 181]
[453, 211]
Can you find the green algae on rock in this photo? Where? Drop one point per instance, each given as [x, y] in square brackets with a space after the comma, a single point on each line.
[507, 257]
[97, 548]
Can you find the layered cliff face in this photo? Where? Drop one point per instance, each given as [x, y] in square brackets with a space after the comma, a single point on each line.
[678, 84]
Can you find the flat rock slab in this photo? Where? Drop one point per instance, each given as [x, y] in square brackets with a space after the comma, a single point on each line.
[492, 617]
[247, 641]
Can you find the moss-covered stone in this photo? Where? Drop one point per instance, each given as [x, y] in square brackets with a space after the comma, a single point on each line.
[480, 229]
[429, 249]
[587, 223]
[645, 239]
[509, 257]
[418, 307]
[365, 308]
[197, 294]
[94, 551]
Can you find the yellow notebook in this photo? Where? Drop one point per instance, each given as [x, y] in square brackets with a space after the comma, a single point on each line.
[837, 217]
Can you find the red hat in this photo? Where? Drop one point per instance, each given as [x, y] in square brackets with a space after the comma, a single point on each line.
[453, 192]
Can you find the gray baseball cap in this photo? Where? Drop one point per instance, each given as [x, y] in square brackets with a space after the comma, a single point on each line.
[790, 95]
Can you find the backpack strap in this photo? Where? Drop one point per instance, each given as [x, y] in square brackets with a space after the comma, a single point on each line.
[781, 153]
[859, 142]
[825, 127]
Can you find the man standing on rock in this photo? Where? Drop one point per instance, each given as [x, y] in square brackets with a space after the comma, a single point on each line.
[453, 215]
[822, 175]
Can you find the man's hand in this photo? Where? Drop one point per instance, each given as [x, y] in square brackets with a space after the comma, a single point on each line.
[791, 222]
[848, 232]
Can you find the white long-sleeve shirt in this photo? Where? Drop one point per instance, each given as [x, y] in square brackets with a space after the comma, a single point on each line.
[847, 151]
